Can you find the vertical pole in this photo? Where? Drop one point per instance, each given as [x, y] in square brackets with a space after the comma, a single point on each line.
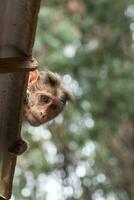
[12, 89]
[18, 20]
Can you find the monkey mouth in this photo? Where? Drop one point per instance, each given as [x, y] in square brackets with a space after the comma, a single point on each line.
[35, 121]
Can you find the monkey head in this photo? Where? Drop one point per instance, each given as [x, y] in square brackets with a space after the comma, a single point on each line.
[46, 97]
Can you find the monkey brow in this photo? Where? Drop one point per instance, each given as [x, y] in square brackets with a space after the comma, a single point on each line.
[45, 93]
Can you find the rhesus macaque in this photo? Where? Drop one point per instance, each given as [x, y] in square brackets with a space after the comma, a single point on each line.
[46, 98]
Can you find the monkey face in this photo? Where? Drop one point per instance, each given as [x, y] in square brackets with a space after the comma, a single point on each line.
[47, 98]
[43, 107]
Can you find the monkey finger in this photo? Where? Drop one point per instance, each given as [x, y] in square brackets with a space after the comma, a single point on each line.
[19, 147]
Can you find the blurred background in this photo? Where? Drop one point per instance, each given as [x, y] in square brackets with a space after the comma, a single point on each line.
[86, 153]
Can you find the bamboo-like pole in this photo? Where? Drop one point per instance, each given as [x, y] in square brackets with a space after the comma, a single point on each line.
[18, 21]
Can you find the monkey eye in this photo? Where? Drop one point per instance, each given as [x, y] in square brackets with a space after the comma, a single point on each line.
[44, 99]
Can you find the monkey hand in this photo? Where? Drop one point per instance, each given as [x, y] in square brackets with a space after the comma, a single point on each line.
[19, 147]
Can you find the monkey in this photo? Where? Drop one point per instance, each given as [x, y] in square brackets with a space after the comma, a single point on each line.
[46, 98]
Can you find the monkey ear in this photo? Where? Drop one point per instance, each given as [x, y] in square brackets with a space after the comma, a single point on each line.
[69, 95]
[33, 77]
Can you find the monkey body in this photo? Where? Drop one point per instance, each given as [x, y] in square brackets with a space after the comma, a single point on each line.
[46, 98]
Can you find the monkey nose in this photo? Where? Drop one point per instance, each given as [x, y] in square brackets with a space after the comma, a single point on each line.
[42, 114]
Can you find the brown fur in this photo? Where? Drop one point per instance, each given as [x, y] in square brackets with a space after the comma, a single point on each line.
[47, 98]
